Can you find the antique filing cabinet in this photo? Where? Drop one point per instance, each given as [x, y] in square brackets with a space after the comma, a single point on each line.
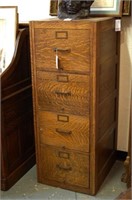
[75, 97]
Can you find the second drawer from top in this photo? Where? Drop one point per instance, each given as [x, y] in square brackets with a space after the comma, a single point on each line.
[66, 93]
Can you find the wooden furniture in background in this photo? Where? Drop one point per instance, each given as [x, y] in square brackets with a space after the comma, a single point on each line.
[125, 195]
[75, 98]
[17, 132]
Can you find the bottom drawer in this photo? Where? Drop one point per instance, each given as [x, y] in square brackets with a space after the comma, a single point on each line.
[64, 166]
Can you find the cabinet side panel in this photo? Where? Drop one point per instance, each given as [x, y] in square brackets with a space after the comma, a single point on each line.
[34, 93]
[106, 103]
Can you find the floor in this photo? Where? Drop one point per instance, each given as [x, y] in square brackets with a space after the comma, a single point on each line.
[28, 188]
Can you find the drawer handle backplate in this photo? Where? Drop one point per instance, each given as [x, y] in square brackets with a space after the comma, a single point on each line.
[63, 93]
[62, 50]
[63, 132]
[64, 168]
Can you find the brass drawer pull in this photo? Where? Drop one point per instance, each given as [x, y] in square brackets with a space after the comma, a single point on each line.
[63, 93]
[62, 50]
[63, 132]
[64, 168]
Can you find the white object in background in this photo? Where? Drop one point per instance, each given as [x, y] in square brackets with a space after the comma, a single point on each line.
[118, 25]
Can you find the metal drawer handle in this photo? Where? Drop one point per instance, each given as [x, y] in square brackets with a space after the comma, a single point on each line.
[63, 50]
[63, 93]
[64, 168]
[63, 132]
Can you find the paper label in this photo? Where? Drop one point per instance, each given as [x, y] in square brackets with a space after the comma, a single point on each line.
[57, 62]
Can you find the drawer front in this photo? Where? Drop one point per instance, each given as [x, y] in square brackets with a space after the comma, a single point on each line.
[68, 131]
[70, 96]
[73, 49]
[64, 166]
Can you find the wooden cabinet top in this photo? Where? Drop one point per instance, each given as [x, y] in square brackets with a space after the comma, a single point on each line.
[82, 23]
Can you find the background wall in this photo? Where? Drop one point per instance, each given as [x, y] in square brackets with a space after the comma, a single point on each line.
[125, 83]
[29, 10]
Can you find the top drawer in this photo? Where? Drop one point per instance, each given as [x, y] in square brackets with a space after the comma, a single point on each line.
[73, 49]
